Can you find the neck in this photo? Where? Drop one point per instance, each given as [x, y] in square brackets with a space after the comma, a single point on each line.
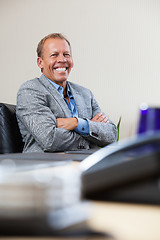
[62, 84]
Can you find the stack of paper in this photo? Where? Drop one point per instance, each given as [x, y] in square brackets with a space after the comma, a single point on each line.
[46, 197]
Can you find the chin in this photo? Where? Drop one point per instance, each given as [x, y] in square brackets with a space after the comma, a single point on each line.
[60, 81]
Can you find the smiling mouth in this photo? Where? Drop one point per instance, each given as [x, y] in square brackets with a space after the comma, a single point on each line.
[60, 69]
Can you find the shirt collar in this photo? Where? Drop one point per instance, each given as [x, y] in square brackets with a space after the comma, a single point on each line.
[60, 89]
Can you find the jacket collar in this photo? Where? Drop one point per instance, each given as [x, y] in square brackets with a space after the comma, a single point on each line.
[55, 94]
[79, 100]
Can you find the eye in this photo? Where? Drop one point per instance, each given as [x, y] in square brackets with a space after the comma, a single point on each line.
[66, 54]
[54, 55]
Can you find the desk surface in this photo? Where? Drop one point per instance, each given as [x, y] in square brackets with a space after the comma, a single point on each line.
[60, 156]
[119, 221]
[29, 161]
[127, 221]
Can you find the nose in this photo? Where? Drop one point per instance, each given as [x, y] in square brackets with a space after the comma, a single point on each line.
[61, 58]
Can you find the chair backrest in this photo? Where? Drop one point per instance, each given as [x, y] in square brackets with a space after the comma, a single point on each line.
[10, 137]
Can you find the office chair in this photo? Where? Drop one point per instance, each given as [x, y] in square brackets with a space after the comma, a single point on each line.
[10, 137]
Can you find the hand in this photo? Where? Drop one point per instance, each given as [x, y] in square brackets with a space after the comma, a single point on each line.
[100, 117]
[67, 123]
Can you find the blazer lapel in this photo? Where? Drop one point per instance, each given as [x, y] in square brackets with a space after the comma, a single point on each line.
[79, 100]
[58, 98]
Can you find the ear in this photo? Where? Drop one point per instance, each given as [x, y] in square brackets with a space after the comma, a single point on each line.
[72, 64]
[40, 62]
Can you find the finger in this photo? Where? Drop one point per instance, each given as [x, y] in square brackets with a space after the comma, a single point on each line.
[99, 115]
[59, 122]
[96, 117]
[103, 119]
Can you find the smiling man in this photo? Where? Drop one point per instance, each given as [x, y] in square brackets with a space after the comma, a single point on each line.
[54, 114]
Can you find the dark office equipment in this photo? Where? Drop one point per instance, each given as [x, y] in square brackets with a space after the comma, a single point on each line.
[128, 171]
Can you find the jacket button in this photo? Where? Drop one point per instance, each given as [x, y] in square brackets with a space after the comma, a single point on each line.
[81, 147]
[94, 134]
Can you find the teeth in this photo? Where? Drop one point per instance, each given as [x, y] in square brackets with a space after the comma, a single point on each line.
[60, 69]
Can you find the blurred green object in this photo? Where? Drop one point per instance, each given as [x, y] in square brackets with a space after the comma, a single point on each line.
[118, 127]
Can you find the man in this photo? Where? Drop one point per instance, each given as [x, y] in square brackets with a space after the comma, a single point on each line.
[54, 114]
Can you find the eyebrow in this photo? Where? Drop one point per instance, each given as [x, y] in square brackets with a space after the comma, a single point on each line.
[56, 52]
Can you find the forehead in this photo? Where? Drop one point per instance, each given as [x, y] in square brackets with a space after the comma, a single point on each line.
[56, 44]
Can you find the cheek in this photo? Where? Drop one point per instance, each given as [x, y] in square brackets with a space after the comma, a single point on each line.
[49, 64]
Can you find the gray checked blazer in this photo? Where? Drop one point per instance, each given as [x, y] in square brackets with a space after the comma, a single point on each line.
[38, 106]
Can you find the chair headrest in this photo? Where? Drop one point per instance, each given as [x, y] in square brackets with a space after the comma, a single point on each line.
[10, 137]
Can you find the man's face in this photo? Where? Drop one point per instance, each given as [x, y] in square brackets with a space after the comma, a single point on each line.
[56, 61]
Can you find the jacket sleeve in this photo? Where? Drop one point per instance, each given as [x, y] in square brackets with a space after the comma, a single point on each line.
[38, 123]
[101, 133]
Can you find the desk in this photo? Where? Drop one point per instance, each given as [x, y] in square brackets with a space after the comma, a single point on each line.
[127, 221]
[119, 220]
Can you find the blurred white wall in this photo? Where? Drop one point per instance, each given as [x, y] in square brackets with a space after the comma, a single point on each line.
[115, 45]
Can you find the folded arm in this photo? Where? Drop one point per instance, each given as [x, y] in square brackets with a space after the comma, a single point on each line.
[38, 123]
[101, 130]
[72, 123]
[67, 123]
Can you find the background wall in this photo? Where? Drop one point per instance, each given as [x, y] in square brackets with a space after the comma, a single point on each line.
[115, 44]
